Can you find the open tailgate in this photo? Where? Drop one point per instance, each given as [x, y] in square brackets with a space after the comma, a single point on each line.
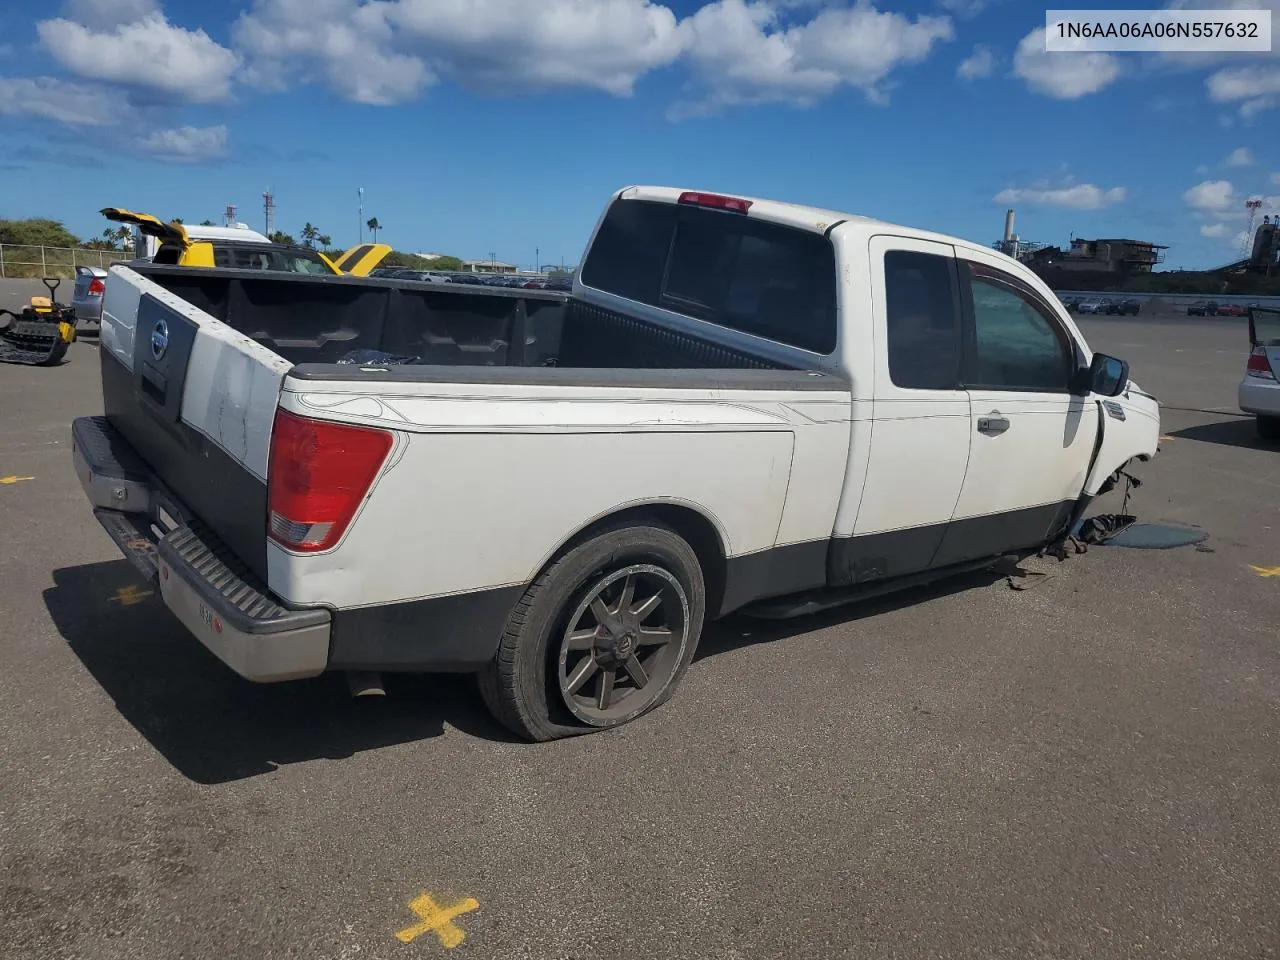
[151, 226]
[197, 401]
[359, 260]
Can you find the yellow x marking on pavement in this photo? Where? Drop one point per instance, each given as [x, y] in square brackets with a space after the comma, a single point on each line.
[436, 920]
[1265, 571]
[128, 596]
[13, 479]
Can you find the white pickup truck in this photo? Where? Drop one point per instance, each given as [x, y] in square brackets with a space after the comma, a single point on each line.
[739, 401]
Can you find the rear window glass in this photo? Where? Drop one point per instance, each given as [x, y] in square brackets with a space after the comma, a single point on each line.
[760, 278]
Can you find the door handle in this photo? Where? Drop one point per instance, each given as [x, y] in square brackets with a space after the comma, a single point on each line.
[993, 425]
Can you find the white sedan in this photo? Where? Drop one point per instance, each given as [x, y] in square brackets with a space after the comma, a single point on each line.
[1259, 391]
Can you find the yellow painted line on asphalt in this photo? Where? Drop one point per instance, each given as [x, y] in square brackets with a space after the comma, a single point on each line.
[1265, 571]
[13, 479]
[128, 596]
[1166, 438]
[437, 920]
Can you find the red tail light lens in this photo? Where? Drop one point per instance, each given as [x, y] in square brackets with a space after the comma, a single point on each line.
[1258, 364]
[715, 200]
[318, 474]
[96, 286]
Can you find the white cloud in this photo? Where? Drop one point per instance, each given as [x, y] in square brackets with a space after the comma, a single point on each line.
[1214, 230]
[1239, 157]
[1211, 196]
[105, 14]
[334, 41]
[1080, 196]
[1255, 88]
[516, 44]
[966, 9]
[980, 63]
[150, 52]
[1275, 178]
[1062, 75]
[186, 144]
[389, 51]
[52, 99]
[744, 53]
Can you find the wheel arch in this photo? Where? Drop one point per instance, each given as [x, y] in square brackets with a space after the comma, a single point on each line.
[700, 528]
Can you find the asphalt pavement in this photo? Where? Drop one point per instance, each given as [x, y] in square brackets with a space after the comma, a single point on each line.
[1082, 769]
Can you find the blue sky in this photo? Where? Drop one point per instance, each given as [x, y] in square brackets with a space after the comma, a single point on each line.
[481, 127]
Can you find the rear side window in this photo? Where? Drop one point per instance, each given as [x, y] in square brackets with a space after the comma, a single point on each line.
[748, 275]
[923, 319]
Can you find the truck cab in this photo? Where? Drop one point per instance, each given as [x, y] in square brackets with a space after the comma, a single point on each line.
[741, 404]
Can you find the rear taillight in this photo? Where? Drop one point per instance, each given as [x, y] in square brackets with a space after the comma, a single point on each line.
[96, 286]
[1258, 365]
[318, 474]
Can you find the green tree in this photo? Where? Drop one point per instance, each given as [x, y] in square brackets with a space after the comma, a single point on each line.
[37, 232]
[310, 234]
[397, 259]
[374, 226]
[324, 241]
[279, 236]
[206, 223]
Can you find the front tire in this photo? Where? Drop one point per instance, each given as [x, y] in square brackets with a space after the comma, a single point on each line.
[1268, 427]
[603, 636]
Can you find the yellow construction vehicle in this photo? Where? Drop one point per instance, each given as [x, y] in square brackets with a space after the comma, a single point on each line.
[40, 335]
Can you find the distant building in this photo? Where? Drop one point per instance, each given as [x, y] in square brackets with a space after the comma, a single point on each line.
[487, 266]
[1112, 256]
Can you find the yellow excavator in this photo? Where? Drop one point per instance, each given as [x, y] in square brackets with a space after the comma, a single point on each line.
[40, 334]
[243, 249]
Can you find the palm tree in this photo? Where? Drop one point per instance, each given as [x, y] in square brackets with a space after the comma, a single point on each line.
[374, 226]
[324, 241]
[309, 234]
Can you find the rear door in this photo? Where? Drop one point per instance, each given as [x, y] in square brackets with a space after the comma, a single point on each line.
[920, 432]
[1032, 440]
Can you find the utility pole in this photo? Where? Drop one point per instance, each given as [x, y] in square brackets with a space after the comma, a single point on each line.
[360, 212]
[537, 260]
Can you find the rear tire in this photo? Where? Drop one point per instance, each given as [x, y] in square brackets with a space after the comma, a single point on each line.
[1268, 427]
[603, 636]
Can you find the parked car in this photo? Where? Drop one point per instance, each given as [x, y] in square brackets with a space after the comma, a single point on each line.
[1198, 309]
[1092, 305]
[742, 403]
[1129, 307]
[86, 298]
[1259, 390]
[1211, 308]
[1231, 310]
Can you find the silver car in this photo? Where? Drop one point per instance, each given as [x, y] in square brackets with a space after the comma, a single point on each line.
[87, 298]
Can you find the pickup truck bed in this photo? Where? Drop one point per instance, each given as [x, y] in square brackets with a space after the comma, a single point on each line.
[310, 320]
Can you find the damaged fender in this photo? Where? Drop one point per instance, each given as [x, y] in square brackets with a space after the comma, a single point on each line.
[1129, 425]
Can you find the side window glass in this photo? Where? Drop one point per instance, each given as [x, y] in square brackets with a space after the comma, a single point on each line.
[1016, 346]
[630, 250]
[923, 321]
[760, 278]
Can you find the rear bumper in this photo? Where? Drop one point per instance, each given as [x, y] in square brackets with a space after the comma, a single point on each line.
[90, 309]
[1256, 396]
[214, 596]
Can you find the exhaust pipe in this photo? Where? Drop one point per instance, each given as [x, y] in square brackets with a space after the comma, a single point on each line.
[365, 684]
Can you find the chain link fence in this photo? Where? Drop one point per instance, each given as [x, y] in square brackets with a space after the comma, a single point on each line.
[22, 261]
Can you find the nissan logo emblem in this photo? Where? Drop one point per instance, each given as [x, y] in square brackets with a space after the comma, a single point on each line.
[159, 339]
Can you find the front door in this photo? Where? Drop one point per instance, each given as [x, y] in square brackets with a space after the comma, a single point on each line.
[919, 443]
[1031, 439]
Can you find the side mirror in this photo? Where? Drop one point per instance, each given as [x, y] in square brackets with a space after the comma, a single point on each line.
[1108, 376]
